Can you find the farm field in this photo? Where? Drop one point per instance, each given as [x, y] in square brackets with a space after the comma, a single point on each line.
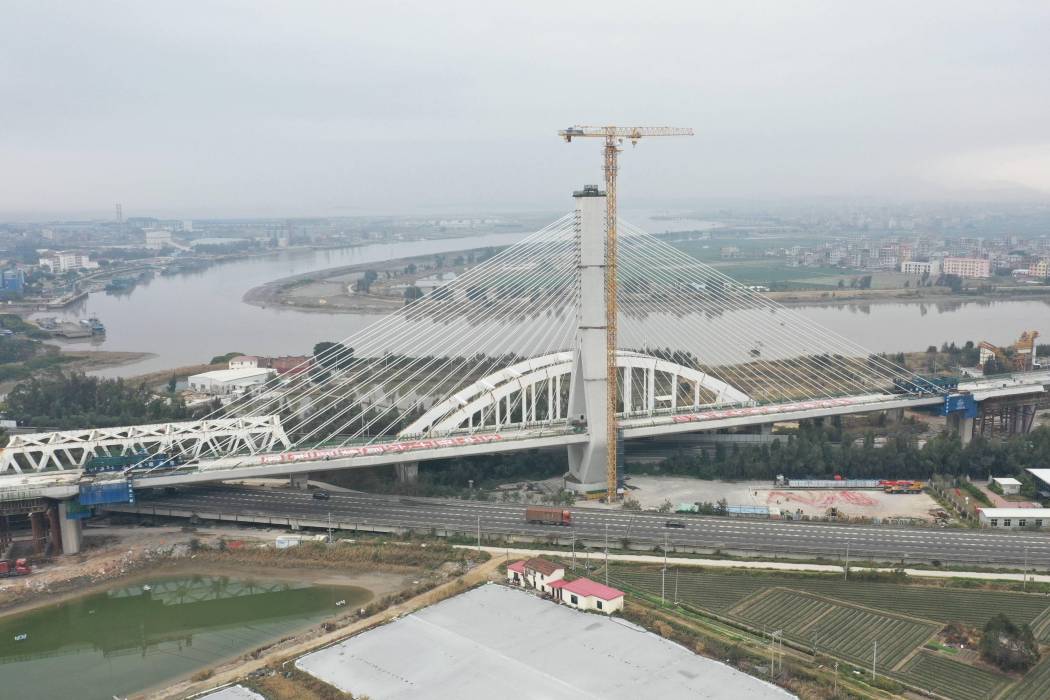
[718, 592]
[951, 678]
[844, 619]
[847, 631]
[1034, 686]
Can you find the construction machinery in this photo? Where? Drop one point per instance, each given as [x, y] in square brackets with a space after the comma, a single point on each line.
[18, 567]
[614, 137]
[902, 486]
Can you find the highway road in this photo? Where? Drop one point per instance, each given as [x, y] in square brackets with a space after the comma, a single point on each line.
[360, 511]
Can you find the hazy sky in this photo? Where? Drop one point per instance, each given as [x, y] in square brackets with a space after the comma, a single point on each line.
[258, 108]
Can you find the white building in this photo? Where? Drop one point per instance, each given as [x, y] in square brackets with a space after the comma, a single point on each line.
[64, 261]
[1009, 485]
[244, 362]
[157, 238]
[535, 573]
[585, 594]
[913, 267]
[1014, 517]
[968, 267]
[229, 381]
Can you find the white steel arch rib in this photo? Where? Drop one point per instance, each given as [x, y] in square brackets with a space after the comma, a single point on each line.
[488, 392]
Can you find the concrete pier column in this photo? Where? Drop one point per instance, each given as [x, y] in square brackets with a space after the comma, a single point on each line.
[407, 472]
[962, 426]
[765, 429]
[55, 529]
[70, 529]
[36, 522]
[299, 481]
[895, 415]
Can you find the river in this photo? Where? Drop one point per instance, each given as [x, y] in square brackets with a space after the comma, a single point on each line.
[129, 638]
[189, 318]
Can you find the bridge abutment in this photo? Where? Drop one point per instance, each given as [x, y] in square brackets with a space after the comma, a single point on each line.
[589, 385]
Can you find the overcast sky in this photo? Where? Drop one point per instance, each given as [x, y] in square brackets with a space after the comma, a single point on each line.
[255, 108]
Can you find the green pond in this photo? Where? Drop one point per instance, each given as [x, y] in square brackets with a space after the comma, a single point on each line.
[133, 637]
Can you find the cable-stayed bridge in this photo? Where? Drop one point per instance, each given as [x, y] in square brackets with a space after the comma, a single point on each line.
[511, 355]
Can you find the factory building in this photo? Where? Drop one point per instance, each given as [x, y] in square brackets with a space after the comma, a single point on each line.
[229, 381]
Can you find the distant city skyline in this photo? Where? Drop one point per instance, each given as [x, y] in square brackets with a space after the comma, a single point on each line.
[226, 109]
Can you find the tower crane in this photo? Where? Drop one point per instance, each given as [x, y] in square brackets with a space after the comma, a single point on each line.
[614, 137]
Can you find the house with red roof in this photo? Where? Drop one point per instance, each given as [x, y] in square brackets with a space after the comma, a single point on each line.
[585, 594]
[535, 573]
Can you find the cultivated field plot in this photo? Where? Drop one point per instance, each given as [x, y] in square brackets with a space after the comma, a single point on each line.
[843, 630]
[1034, 686]
[714, 592]
[718, 592]
[951, 678]
[779, 608]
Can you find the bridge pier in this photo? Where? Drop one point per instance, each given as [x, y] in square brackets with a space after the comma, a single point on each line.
[407, 472]
[70, 531]
[962, 426]
[299, 481]
[36, 522]
[589, 383]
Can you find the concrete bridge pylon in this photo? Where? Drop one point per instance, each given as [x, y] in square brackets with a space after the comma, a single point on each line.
[589, 385]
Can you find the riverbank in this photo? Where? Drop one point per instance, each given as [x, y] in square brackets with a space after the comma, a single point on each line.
[326, 291]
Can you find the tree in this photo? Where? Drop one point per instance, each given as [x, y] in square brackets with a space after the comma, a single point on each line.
[329, 355]
[1009, 646]
[412, 293]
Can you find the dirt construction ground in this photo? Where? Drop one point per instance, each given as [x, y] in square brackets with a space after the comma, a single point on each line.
[652, 491]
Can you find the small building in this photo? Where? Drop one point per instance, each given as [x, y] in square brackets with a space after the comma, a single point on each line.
[535, 573]
[291, 364]
[1013, 518]
[1008, 485]
[967, 267]
[585, 594]
[229, 381]
[64, 261]
[244, 362]
[157, 238]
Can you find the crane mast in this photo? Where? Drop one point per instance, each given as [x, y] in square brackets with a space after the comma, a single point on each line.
[614, 136]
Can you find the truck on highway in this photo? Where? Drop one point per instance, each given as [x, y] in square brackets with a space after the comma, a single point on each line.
[18, 567]
[548, 516]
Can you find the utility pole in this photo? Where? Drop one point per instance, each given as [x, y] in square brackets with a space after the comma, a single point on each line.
[329, 528]
[845, 569]
[663, 574]
[836, 691]
[606, 554]
[874, 654]
[676, 570]
[1024, 579]
[613, 136]
[479, 533]
[574, 549]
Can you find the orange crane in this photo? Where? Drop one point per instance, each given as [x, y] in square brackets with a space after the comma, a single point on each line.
[614, 136]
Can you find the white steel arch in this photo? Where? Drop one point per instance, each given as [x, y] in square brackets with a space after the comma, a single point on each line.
[530, 392]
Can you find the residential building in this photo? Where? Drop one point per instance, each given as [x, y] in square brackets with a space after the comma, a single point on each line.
[245, 362]
[287, 364]
[968, 267]
[64, 261]
[156, 239]
[229, 381]
[1040, 268]
[1013, 518]
[914, 267]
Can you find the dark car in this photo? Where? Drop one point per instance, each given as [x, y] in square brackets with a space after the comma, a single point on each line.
[321, 495]
[674, 523]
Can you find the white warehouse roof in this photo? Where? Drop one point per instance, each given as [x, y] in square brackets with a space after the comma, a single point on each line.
[1006, 481]
[1015, 512]
[232, 375]
[1041, 474]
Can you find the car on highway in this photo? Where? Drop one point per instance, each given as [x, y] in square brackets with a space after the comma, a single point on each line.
[322, 495]
[674, 523]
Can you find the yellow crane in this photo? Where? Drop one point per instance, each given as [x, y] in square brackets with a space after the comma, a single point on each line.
[614, 137]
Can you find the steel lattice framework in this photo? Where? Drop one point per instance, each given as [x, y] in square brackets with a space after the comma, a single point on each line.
[70, 449]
